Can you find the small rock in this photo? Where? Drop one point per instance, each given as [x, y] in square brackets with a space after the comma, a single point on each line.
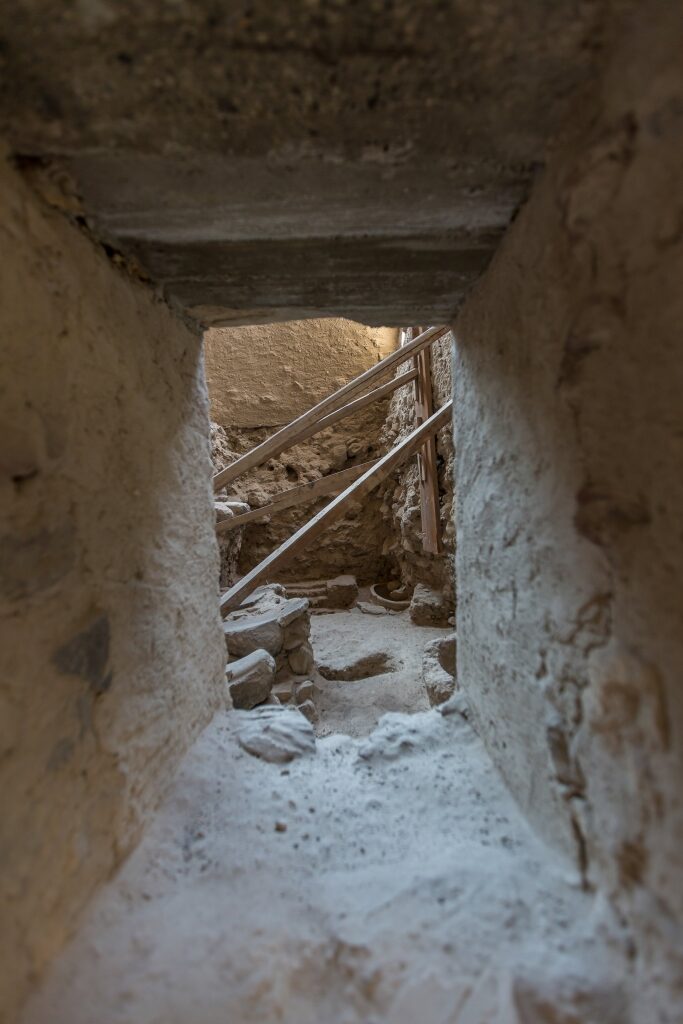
[275, 734]
[280, 826]
[250, 679]
[304, 691]
[308, 710]
[228, 509]
[283, 691]
[372, 609]
[301, 659]
[341, 591]
[264, 597]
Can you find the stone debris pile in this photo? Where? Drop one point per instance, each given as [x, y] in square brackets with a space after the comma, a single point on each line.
[270, 657]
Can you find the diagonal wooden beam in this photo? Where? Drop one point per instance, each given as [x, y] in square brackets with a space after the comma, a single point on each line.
[297, 495]
[295, 430]
[233, 597]
[360, 403]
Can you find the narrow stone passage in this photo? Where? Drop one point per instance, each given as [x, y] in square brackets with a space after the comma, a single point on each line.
[384, 878]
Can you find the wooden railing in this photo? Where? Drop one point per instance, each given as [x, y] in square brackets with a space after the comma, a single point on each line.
[356, 481]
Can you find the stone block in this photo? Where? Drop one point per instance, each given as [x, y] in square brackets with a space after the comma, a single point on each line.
[275, 734]
[250, 679]
[438, 669]
[297, 632]
[304, 691]
[308, 710]
[293, 608]
[244, 635]
[341, 591]
[301, 659]
[429, 607]
[283, 690]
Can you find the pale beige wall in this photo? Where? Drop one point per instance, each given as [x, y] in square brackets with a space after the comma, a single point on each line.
[569, 446]
[110, 646]
[266, 375]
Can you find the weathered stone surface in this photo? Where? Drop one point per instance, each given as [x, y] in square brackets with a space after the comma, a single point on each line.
[283, 689]
[308, 709]
[438, 668]
[111, 657]
[368, 608]
[401, 505]
[228, 509]
[292, 609]
[304, 691]
[301, 659]
[275, 734]
[342, 591]
[230, 543]
[263, 597]
[250, 679]
[297, 633]
[251, 370]
[428, 607]
[244, 635]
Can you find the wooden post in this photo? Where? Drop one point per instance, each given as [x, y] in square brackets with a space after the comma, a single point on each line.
[426, 460]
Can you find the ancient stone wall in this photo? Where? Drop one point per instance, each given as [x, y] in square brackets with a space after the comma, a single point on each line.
[110, 643]
[569, 427]
[262, 377]
[401, 506]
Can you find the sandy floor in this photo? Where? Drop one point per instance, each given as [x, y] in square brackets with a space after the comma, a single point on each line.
[384, 879]
[353, 639]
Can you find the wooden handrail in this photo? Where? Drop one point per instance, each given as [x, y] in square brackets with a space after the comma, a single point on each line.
[294, 431]
[297, 495]
[233, 597]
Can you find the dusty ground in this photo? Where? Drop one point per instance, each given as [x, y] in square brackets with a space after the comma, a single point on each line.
[385, 879]
[372, 664]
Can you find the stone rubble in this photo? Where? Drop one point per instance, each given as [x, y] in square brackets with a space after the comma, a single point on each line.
[276, 734]
[272, 624]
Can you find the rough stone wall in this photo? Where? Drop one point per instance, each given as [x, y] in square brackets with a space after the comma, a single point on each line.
[110, 643]
[401, 507]
[569, 432]
[266, 375]
[262, 377]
